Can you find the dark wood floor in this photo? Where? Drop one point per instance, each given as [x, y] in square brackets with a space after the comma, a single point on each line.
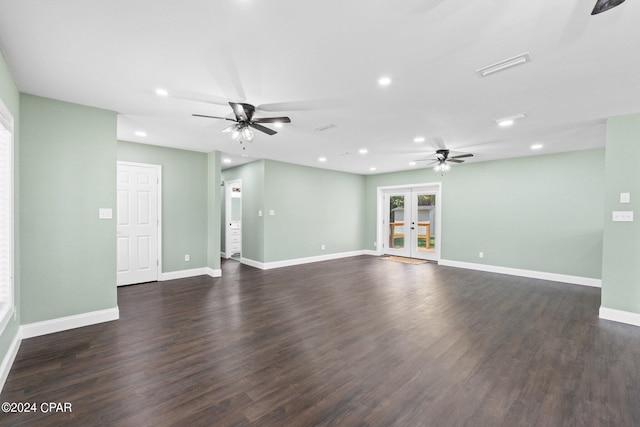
[359, 341]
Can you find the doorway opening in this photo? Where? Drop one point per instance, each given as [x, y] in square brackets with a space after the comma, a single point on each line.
[409, 221]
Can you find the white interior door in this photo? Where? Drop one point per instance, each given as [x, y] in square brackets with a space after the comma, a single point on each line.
[137, 223]
[233, 218]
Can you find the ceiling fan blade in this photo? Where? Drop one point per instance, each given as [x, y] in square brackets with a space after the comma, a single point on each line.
[426, 160]
[213, 117]
[229, 128]
[460, 156]
[604, 5]
[272, 120]
[454, 160]
[262, 128]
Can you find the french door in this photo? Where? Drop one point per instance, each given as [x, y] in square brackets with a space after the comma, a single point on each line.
[410, 223]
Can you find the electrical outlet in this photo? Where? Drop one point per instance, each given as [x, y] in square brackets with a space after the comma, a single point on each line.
[481, 255]
[322, 247]
[187, 257]
[375, 244]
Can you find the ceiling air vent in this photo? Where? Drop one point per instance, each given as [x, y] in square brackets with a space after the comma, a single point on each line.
[325, 127]
[503, 65]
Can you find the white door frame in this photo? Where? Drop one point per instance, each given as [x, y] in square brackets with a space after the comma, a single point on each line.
[380, 229]
[227, 214]
[158, 169]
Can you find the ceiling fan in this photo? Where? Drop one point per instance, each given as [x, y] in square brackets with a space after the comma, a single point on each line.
[244, 121]
[442, 159]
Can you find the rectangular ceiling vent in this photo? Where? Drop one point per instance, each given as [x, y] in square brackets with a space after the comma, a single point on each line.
[504, 65]
[325, 127]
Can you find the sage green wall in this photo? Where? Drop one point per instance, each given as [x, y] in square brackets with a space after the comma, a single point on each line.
[253, 187]
[621, 269]
[11, 98]
[184, 201]
[541, 213]
[214, 193]
[68, 255]
[312, 207]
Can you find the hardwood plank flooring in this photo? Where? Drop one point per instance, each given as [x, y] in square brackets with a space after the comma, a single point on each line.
[353, 342]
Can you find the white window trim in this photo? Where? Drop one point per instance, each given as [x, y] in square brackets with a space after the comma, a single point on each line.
[7, 307]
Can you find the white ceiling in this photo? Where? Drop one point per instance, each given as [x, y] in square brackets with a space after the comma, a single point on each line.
[320, 62]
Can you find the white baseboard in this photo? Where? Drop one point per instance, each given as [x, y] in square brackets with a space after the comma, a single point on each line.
[299, 261]
[574, 280]
[214, 273]
[620, 316]
[371, 252]
[7, 361]
[70, 322]
[183, 274]
[223, 254]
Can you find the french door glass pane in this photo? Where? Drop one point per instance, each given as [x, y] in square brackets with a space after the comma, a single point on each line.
[426, 222]
[396, 222]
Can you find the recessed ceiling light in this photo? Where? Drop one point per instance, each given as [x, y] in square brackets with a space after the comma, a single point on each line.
[226, 160]
[384, 81]
[322, 159]
[372, 168]
[536, 146]
[412, 163]
[418, 139]
[363, 151]
[523, 58]
[162, 92]
[508, 121]
[140, 133]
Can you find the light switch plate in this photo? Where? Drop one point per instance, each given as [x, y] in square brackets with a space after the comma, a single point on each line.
[272, 212]
[625, 197]
[105, 213]
[622, 216]
[259, 213]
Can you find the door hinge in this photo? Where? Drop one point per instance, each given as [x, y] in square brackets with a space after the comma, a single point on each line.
[158, 262]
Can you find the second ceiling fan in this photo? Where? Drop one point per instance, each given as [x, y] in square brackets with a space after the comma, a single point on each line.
[244, 121]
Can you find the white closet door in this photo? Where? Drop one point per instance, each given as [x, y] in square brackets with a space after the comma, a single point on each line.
[137, 224]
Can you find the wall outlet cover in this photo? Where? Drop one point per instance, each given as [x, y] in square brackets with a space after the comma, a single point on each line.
[622, 216]
[105, 213]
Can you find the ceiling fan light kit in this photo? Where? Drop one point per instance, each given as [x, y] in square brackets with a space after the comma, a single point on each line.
[604, 5]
